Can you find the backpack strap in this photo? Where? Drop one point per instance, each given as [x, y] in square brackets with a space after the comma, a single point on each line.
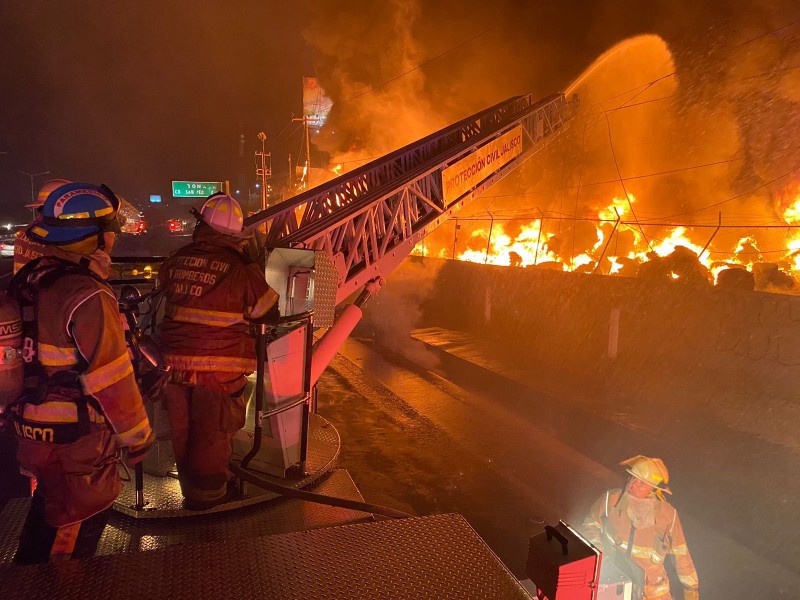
[26, 286]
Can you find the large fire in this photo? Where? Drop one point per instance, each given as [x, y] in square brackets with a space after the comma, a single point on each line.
[629, 249]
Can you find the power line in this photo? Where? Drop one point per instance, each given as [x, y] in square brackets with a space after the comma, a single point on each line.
[565, 217]
[282, 131]
[763, 35]
[732, 198]
[647, 85]
[629, 178]
[419, 66]
[622, 182]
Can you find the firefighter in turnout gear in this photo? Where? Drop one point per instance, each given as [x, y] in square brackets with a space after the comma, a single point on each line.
[213, 293]
[637, 525]
[80, 406]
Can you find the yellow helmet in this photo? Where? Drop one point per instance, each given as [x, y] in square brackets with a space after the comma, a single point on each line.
[651, 471]
[46, 190]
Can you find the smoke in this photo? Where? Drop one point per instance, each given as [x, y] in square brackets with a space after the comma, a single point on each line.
[361, 49]
[396, 311]
[695, 110]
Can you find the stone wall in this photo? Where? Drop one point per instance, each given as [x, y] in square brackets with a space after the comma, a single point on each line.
[732, 352]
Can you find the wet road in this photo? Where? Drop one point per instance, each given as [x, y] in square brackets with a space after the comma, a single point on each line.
[507, 457]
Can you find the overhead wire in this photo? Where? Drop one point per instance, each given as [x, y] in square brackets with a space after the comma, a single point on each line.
[736, 197]
[626, 104]
[622, 183]
[417, 67]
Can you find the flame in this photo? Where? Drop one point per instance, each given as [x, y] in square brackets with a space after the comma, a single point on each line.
[535, 244]
[792, 213]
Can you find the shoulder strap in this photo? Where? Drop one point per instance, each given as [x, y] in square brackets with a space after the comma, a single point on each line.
[25, 287]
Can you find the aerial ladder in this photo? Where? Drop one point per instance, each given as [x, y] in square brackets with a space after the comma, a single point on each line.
[329, 244]
[341, 240]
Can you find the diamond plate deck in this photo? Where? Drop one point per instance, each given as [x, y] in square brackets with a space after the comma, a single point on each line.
[11, 520]
[422, 557]
[126, 534]
[164, 498]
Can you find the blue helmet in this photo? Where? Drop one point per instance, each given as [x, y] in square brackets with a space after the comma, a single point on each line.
[75, 212]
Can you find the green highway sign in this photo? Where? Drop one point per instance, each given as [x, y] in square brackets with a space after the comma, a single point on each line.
[195, 189]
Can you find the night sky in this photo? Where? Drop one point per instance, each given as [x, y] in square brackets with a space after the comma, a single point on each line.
[136, 94]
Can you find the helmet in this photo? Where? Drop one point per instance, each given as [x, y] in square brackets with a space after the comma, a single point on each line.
[75, 212]
[46, 190]
[651, 471]
[223, 214]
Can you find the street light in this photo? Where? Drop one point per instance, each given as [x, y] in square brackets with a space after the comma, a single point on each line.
[32, 176]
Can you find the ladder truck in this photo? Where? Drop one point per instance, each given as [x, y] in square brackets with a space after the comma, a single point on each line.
[325, 246]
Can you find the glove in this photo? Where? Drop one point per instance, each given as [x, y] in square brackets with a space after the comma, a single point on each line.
[691, 595]
[136, 452]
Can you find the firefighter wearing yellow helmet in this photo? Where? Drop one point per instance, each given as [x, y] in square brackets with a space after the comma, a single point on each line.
[25, 249]
[213, 292]
[80, 406]
[637, 527]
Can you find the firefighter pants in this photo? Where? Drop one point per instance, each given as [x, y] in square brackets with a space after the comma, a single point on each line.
[40, 542]
[204, 418]
[77, 483]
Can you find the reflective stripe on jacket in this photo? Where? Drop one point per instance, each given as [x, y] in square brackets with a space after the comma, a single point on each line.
[26, 250]
[650, 545]
[212, 291]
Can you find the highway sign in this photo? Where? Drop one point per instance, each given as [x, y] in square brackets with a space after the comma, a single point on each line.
[195, 189]
[155, 198]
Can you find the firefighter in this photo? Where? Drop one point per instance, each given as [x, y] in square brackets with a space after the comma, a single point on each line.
[81, 405]
[25, 249]
[639, 525]
[213, 292]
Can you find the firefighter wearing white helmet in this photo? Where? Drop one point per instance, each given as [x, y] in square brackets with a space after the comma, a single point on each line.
[80, 405]
[25, 249]
[637, 529]
[213, 293]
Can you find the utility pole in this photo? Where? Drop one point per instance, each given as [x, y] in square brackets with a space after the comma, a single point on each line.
[263, 168]
[291, 178]
[305, 121]
[33, 176]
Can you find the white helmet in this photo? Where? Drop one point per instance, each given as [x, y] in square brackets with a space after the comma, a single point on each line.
[223, 214]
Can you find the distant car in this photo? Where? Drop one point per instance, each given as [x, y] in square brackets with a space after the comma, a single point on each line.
[137, 227]
[178, 226]
[7, 246]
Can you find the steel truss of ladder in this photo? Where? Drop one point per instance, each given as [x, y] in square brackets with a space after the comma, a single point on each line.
[369, 220]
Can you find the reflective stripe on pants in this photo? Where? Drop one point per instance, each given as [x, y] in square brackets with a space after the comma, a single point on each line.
[40, 542]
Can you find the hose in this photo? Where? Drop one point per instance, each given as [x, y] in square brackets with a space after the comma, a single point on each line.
[291, 492]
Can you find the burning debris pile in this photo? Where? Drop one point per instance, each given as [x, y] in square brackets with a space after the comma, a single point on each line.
[670, 178]
[681, 165]
[625, 248]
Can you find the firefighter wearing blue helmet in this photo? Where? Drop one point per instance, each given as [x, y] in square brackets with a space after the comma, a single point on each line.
[81, 408]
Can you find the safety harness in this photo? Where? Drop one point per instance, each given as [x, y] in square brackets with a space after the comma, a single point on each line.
[622, 559]
[26, 287]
